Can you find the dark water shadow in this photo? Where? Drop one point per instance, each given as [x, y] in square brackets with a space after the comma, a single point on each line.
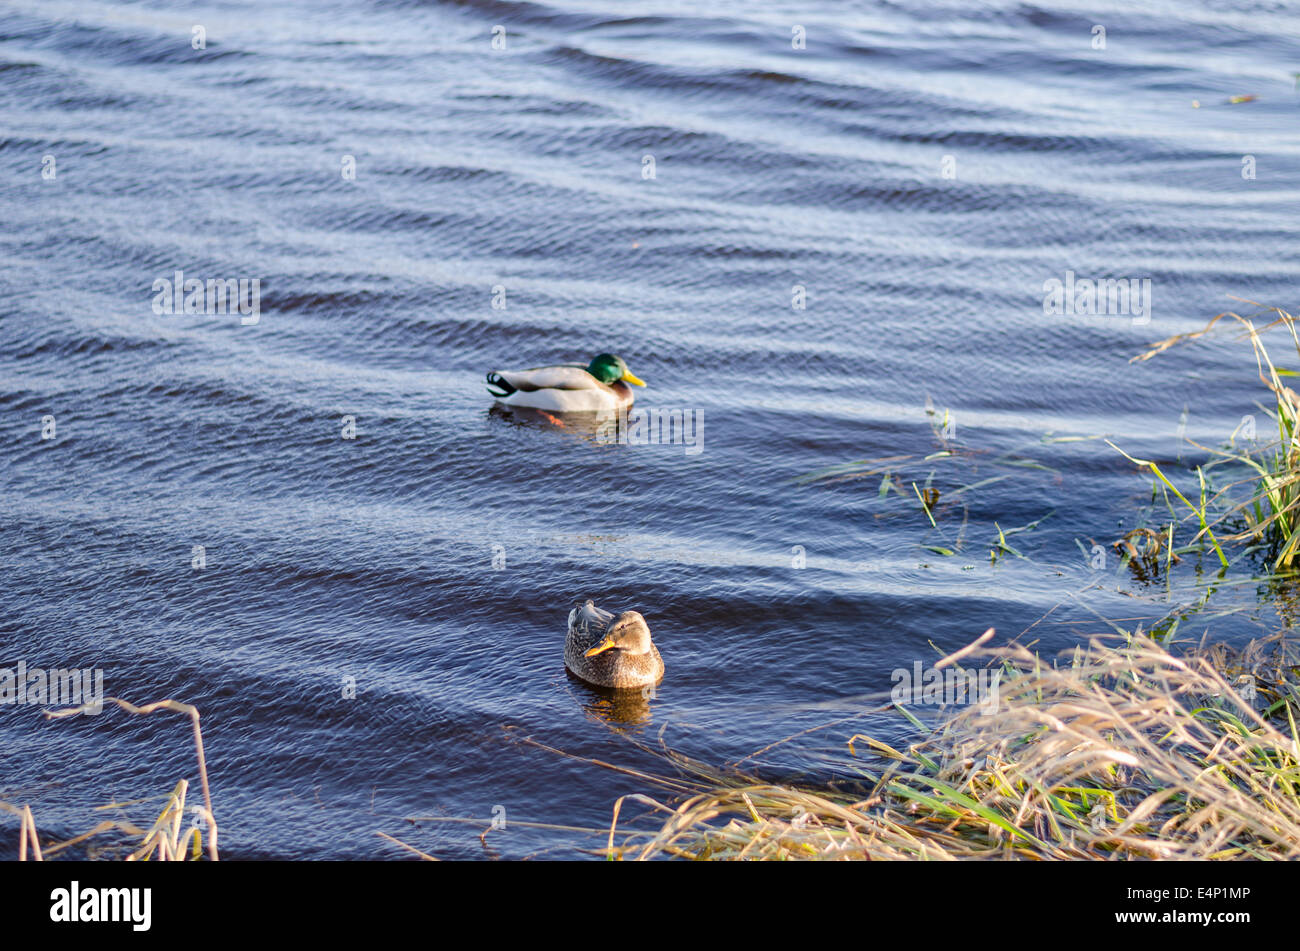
[625, 711]
[599, 428]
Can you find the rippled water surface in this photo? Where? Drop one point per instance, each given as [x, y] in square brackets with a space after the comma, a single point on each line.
[916, 174]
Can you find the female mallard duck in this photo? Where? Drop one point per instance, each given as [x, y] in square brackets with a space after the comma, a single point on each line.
[600, 386]
[611, 651]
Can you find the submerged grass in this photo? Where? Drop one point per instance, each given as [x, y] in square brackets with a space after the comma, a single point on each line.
[909, 484]
[1120, 751]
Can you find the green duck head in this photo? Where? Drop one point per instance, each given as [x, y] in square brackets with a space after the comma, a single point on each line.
[609, 368]
[628, 633]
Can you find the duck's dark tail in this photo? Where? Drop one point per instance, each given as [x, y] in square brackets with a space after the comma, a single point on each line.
[498, 385]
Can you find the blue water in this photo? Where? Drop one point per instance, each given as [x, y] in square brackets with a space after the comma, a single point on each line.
[919, 171]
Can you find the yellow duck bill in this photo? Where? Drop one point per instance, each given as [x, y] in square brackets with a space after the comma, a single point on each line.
[600, 648]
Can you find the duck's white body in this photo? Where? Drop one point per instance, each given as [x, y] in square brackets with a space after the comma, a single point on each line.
[567, 388]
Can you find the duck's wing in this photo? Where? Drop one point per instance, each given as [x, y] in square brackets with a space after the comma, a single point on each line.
[589, 622]
[587, 626]
[575, 377]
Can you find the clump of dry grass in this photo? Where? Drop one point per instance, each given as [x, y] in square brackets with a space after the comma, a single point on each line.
[166, 839]
[1119, 751]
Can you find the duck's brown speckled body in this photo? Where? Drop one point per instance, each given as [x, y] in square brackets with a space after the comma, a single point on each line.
[611, 650]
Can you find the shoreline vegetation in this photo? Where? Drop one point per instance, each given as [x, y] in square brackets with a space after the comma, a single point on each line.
[1119, 751]
[1268, 518]
[1116, 749]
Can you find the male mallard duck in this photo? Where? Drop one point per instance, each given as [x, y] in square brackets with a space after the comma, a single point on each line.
[569, 388]
[611, 651]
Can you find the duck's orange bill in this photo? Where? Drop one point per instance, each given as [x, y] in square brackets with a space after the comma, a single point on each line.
[631, 378]
[600, 648]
